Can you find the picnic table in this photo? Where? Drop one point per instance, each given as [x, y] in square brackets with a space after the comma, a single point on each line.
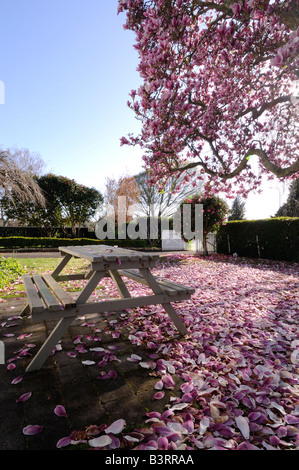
[48, 300]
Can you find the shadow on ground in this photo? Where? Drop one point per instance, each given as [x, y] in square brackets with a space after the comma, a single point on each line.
[65, 380]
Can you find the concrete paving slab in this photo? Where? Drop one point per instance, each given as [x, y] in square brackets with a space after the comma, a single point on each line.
[65, 380]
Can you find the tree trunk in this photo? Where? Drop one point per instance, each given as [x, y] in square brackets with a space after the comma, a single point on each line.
[205, 245]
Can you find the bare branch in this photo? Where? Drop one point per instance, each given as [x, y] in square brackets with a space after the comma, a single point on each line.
[15, 179]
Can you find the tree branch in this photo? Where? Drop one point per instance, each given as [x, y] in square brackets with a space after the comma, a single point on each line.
[271, 167]
[289, 17]
[257, 113]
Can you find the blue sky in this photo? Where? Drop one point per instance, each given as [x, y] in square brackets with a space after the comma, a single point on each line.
[68, 67]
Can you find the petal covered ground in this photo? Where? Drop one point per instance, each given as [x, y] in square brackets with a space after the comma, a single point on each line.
[238, 367]
[240, 362]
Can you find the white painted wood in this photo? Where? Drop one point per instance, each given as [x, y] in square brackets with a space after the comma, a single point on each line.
[121, 286]
[25, 311]
[98, 253]
[105, 261]
[136, 276]
[166, 305]
[50, 300]
[64, 297]
[48, 346]
[61, 265]
[115, 266]
[35, 302]
[125, 303]
[90, 287]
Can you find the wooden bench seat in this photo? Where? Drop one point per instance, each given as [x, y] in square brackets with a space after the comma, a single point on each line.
[167, 287]
[47, 300]
[44, 293]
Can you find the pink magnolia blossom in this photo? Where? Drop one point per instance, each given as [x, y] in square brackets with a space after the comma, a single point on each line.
[215, 93]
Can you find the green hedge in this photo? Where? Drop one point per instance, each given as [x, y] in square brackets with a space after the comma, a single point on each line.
[28, 242]
[276, 238]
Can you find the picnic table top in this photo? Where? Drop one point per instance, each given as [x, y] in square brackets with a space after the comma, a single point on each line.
[98, 253]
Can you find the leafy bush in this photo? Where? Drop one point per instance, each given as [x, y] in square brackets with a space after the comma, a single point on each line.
[276, 238]
[214, 212]
[40, 242]
[10, 269]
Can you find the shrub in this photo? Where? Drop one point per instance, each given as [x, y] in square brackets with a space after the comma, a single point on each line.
[13, 243]
[214, 214]
[276, 238]
[10, 269]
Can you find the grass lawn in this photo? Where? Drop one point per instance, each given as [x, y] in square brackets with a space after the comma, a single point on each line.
[40, 266]
[47, 265]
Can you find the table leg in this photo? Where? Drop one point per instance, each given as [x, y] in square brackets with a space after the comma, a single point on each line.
[121, 286]
[64, 323]
[90, 286]
[46, 349]
[61, 265]
[25, 311]
[167, 306]
[175, 318]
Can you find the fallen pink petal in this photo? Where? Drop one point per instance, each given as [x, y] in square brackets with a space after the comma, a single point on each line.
[112, 374]
[60, 411]
[32, 429]
[17, 379]
[243, 425]
[134, 358]
[158, 396]
[71, 354]
[24, 335]
[102, 441]
[24, 397]
[115, 442]
[159, 385]
[64, 442]
[116, 427]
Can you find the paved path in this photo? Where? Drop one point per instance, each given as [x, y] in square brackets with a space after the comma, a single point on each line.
[66, 381]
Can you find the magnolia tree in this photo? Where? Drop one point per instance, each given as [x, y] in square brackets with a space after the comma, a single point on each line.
[219, 82]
